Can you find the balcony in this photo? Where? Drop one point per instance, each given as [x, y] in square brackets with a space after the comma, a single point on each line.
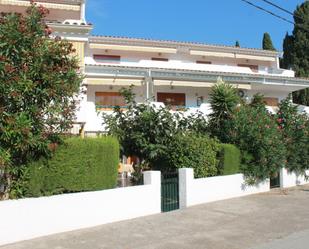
[71, 2]
[60, 10]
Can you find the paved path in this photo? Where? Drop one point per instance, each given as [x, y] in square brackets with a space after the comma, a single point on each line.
[276, 220]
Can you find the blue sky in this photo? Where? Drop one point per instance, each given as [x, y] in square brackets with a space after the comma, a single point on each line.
[208, 21]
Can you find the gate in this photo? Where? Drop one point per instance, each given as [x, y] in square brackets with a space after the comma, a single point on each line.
[169, 191]
[275, 180]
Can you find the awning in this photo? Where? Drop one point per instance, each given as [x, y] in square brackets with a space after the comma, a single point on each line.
[133, 48]
[112, 82]
[195, 84]
[255, 57]
[212, 54]
[232, 55]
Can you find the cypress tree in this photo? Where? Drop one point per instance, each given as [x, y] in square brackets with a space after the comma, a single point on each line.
[296, 50]
[286, 62]
[267, 42]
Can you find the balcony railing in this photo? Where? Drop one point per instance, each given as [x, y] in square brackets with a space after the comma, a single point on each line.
[71, 2]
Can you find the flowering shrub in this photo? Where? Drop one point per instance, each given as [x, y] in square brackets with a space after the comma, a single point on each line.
[38, 85]
[256, 133]
[295, 131]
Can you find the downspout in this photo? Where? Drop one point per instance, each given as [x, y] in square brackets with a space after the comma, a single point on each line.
[148, 81]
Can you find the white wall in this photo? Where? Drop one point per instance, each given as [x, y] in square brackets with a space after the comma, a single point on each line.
[35, 217]
[290, 179]
[204, 190]
[188, 62]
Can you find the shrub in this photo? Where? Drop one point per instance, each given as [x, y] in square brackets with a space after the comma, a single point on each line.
[255, 131]
[78, 165]
[147, 132]
[193, 151]
[295, 131]
[39, 82]
[229, 159]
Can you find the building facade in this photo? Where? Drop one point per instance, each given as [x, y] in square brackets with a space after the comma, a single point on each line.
[179, 74]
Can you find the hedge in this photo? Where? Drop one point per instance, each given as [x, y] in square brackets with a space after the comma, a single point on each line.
[229, 159]
[194, 151]
[78, 165]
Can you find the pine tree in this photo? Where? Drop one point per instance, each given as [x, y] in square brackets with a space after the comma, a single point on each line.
[237, 44]
[267, 42]
[296, 50]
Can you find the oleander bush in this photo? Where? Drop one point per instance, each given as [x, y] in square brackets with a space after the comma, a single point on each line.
[295, 131]
[229, 160]
[39, 82]
[256, 134]
[77, 165]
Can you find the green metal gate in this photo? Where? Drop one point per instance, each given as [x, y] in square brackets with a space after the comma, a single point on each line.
[275, 180]
[169, 191]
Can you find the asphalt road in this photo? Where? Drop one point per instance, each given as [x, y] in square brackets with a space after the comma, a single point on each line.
[275, 220]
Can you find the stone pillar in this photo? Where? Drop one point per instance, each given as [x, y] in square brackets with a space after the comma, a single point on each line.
[153, 178]
[287, 179]
[186, 177]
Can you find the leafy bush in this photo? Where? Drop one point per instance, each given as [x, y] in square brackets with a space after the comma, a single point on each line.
[229, 159]
[195, 151]
[295, 131]
[78, 165]
[39, 81]
[256, 133]
[147, 132]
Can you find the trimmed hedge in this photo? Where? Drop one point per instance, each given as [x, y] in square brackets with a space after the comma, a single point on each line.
[78, 165]
[193, 151]
[229, 159]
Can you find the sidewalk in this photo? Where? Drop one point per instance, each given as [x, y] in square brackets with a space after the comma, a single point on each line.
[242, 223]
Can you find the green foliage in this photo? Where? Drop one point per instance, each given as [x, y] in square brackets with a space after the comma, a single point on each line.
[223, 99]
[295, 130]
[192, 150]
[146, 131]
[258, 100]
[229, 159]
[267, 43]
[296, 47]
[256, 134]
[78, 165]
[237, 44]
[38, 83]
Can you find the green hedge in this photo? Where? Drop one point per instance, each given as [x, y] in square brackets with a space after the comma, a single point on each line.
[229, 159]
[193, 151]
[78, 165]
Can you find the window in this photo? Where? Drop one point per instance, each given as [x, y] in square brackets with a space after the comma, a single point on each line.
[271, 101]
[203, 62]
[159, 59]
[107, 58]
[107, 100]
[172, 99]
[254, 68]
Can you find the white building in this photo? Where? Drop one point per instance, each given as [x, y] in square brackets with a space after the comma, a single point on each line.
[177, 73]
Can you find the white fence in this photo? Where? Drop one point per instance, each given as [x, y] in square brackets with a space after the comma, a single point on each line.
[291, 179]
[35, 217]
[204, 190]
